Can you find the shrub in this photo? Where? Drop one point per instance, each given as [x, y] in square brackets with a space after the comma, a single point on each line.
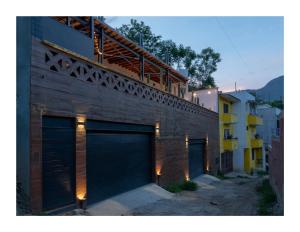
[186, 185]
[267, 198]
[189, 186]
[174, 188]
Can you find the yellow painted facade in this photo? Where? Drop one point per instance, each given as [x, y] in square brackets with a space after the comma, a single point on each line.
[253, 152]
[226, 121]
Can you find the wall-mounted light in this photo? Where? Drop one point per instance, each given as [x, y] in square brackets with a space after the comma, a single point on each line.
[194, 94]
[209, 92]
[157, 129]
[187, 177]
[158, 175]
[186, 141]
[81, 198]
[80, 123]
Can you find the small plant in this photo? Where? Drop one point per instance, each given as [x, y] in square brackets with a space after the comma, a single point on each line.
[174, 188]
[261, 173]
[243, 177]
[267, 198]
[186, 185]
[189, 186]
[221, 176]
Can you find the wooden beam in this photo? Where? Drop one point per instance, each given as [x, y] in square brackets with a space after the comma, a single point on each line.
[101, 45]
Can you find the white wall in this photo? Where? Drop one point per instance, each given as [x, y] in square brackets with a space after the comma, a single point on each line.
[240, 109]
[208, 98]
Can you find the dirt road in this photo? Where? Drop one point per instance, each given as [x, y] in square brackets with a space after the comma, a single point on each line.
[235, 196]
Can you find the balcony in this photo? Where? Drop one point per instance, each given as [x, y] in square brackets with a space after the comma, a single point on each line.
[256, 143]
[254, 120]
[228, 118]
[230, 144]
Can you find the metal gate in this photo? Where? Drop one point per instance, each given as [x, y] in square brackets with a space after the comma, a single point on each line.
[119, 158]
[196, 157]
[58, 162]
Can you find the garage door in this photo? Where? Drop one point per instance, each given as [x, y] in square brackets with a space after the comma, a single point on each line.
[58, 162]
[119, 158]
[196, 157]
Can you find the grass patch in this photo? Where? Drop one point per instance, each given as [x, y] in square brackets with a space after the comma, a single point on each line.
[261, 173]
[243, 177]
[221, 176]
[267, 198]
[189, 186]
[178, 187]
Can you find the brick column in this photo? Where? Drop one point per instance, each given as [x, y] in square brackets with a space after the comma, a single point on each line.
[36, 159]
[80, 158]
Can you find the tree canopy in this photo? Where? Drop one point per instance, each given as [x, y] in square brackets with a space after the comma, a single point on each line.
[200, 66]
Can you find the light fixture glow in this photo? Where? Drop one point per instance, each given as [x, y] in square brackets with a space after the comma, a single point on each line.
[209, 92]
[80, 122]
[187, 178]
[157, 132]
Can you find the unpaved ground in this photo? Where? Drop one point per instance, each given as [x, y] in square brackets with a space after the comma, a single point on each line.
[236, 196]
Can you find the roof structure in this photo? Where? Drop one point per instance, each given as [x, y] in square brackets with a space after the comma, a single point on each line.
[117, 49]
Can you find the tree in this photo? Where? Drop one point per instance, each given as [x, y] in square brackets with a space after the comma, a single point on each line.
[133, 31]
[203, 67]
[199, 66]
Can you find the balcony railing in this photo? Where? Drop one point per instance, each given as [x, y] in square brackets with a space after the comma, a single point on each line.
[254, 120]
[230, 144]
[228, 118]
[256, 143]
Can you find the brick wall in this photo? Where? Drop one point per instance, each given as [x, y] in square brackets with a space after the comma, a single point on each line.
[276, 164]
[81, 88]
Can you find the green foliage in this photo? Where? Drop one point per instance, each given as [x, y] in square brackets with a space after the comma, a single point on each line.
[261, 173]
[133, 31]
[199, 66]
[174, 188]
[178, 187]
[267, 198]
[278, 104]
[189, 186]
[221, 176]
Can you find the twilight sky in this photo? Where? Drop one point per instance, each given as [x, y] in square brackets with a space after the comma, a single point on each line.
[251, 48]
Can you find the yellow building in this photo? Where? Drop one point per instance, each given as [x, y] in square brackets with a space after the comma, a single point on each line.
[228, 140]
[253, 153]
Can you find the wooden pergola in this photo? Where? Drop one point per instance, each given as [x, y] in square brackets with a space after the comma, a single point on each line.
[112, 47]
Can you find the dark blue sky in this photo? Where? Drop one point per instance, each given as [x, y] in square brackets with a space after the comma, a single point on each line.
[251, 47]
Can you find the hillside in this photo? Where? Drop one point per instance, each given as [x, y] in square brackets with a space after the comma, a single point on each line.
[272, 91]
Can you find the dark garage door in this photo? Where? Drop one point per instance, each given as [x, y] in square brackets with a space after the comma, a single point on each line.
[196, 157]
[118, 158]
[58, 162]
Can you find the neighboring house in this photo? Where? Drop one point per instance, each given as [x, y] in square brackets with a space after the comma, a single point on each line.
[241, 147]
[276, 163]
[250, 152]
[270, 128]
[228, 139]
[207, 98]
[98, 115]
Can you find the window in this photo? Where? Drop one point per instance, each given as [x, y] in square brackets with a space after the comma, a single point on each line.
[226, 133]
[225, 108]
